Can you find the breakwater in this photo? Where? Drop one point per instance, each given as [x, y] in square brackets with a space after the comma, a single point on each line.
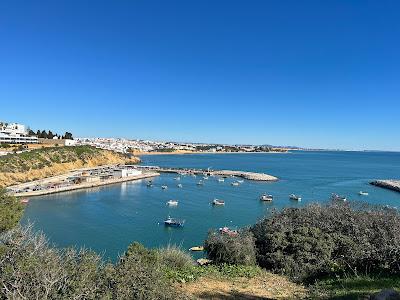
[223, 173]
[388, 184]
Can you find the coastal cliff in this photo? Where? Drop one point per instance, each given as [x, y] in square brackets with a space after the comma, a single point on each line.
[41, 163]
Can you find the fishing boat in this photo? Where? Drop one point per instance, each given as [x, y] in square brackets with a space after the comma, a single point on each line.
[24, 201]
[174, 222]
[218, 202]
[336, 197]
[164, 187]
[235, 183]
[266, 197]
[295, 197]
[200, 182]
[172, 202]
[228, 231]
[180, 185]
[221, 179]
[361, 193]
[196, 248]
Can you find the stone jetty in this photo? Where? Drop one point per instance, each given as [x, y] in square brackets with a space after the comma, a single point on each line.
[390, 184]
[223, 173]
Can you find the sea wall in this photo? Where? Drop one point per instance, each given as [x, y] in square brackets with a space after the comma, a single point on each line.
[390, 184]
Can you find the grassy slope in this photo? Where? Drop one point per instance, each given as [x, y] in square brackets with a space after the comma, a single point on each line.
[41, 163]
[353, 287]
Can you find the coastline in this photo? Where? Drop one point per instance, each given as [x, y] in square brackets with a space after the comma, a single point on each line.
[182, 152]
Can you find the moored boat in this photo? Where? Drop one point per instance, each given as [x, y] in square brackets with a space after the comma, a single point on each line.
[295, 197]
[266, 197]
[196, 248]
[174, 222]
[336, 197]
[172, 202]
[235, 183]
[218, 202]
[179, 185]
[177, 178]
[221, 179]
[361, 193]
[164, 187]
[228, 231]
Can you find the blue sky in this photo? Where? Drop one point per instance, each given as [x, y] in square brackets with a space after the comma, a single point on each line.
[307, 73]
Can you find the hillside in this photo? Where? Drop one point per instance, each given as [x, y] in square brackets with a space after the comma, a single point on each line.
[41, 163]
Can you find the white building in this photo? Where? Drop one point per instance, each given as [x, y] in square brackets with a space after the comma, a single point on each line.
[15, 133]
[122, 173]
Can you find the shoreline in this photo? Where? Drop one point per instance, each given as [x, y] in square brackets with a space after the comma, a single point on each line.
[203, 152]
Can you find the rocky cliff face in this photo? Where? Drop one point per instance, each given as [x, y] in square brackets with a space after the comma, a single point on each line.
[37, 164]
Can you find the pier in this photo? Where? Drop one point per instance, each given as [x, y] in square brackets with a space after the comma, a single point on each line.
[208, 172]
[390, 184]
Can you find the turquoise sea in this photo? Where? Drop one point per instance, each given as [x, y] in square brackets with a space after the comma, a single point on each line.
[109, 218]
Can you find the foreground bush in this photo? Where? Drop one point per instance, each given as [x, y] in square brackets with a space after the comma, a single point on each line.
[236, 250]
[30, 268]
[316, 240]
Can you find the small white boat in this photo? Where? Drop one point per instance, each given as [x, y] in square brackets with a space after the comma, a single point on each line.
[200, 182]
[205, 177]
[240, 181]
[336, 197]
[295, 197]
[179, 185]
[164, 187]
[177, 178]
[235, 183]
[361, 193]
[221, 180]
[172, 202]
[266, 197]
[218, 202]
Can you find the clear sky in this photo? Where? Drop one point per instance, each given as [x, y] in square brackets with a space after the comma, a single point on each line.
[307, 73]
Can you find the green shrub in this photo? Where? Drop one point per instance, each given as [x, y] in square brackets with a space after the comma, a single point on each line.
[173, 257]
[238, 249]
[317, 240]
[11, 211]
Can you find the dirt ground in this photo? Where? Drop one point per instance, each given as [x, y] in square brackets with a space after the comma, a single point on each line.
[265, 286]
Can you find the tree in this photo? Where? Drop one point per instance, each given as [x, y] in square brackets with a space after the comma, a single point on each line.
[43, 135]
[68, 136]
[11, 211]
[50, 135]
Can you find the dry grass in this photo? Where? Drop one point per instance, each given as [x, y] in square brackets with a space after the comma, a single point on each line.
[98, 158]
[264, 286]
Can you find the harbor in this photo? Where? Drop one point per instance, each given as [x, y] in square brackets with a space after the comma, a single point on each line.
[390, 184]
[208, 172]
[110, 217]
[80, 179]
